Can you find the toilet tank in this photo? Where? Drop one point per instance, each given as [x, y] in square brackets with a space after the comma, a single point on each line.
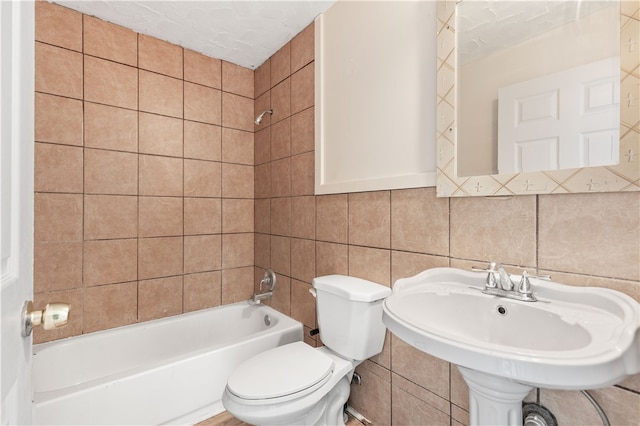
[349, 313]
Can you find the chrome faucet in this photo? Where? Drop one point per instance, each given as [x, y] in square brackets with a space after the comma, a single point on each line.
[267, 283]
[500, 283]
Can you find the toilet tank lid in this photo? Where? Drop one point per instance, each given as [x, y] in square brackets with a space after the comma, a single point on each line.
[351, 288]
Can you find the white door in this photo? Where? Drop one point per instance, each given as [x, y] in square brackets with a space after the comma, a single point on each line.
[563, 120]
[16, 205]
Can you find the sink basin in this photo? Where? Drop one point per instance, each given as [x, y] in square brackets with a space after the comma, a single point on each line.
[571, 338]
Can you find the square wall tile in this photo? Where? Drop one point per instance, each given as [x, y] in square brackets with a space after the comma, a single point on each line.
[202, 253]
[281, 177]
[262, 215]
[303, 48]
[160, 217]
[303, 132]
[371, 264]
[237, 112]
[303, 217]
[237, 181]
[281, 299]
[110, 83]
[237, 215]
[262, 183]
[281, 64]
[303, 174]
[238, 250]
[332, 219]
[262, 78]
[262, 251]
[331, 259]
[281, 255]
[237, 146]
[57, 266]
[161, 176]
[109, 127]
[160, 94]
[57, 217]
[303, 304]
[110, 172]
[414, 405]
[202, 291]
[373, 398]
[109, 306]
[110, 41]
[237, 284]
[427, 371]
[58, 25]
[303, 259]
[202, 69]
[494, 219]
[58, 71]
[110, 217]
[58, 168]
[280, 213]
[202, 216]
[237, 80]
[58, 120]
[405, 264]
[370, 219]
[160, 135]
[202, 178]
[202, 103]
[202, 141]
[159, 56]
[281, 101]
[159, 298]
[302, 89]
[610, 247]
[110, 261]
[159, 257]
[281, 139]
[420, 221]
[262, 146]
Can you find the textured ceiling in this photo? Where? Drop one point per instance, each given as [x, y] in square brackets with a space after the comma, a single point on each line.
[484, 27]
[243, 32]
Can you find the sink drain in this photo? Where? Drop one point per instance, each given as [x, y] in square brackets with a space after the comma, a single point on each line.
[501, 310]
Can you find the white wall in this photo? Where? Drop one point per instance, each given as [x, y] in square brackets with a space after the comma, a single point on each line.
[375, 96]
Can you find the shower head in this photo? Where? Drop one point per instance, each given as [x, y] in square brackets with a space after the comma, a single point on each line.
[259, 118]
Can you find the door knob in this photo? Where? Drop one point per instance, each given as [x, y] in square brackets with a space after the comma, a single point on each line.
[54, 315]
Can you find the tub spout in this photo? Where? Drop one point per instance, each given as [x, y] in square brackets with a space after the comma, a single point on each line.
[261, 296]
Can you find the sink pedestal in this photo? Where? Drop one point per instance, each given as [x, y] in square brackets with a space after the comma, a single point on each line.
[494, 400]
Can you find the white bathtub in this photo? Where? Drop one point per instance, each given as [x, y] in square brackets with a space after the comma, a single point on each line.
[168, 371]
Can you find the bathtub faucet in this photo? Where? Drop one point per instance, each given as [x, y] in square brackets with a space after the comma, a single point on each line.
[267, 284]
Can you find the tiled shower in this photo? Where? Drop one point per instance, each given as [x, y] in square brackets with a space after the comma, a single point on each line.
[156, 194]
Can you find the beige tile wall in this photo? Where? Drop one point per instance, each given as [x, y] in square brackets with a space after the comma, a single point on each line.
[147, 200]
[581, 239]
[143, 175]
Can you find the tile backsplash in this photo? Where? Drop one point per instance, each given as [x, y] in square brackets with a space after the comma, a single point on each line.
[156, 194]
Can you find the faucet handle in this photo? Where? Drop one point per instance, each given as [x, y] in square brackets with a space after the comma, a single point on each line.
[492, 270]
[525, 285]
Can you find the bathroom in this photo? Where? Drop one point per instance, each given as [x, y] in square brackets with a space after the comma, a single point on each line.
[187, 228]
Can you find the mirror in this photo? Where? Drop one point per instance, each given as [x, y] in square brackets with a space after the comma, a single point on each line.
[506, 117]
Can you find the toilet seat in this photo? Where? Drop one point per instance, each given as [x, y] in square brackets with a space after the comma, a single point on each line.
[283, 373]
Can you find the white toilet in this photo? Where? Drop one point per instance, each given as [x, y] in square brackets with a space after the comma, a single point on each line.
[297, 384]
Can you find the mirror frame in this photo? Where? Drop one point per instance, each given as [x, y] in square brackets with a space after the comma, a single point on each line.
[624, 176]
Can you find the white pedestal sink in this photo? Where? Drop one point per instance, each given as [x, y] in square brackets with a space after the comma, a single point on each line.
[571, 338]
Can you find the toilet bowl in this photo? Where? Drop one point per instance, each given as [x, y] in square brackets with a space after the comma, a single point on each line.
[298, 384]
